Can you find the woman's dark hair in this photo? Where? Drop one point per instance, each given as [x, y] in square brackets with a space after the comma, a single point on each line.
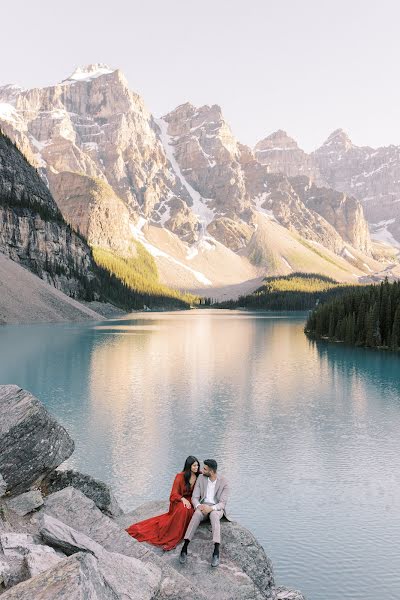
[187, 469]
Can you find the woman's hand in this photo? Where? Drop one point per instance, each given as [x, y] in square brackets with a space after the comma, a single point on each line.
[186, 503]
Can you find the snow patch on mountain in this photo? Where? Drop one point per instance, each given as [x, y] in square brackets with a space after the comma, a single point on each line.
[8, 113]
[138, 234]
[380, 233]
[347, 254]
[88, 73]
[259, 201]
[286, 263]
[205, 244]
[204, 214]
[165, 216]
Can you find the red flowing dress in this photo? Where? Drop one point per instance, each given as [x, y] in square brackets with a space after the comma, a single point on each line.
[167, 530]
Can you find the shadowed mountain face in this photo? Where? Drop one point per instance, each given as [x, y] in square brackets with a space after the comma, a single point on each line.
[32, 230]
[209, 209]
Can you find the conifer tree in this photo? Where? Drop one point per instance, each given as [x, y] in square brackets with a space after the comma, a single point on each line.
[363, 315]
[395, 337]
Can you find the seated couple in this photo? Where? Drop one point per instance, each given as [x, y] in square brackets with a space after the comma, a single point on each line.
[195, 497]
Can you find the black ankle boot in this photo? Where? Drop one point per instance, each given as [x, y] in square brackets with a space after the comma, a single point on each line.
[215, 556]
[183, 555]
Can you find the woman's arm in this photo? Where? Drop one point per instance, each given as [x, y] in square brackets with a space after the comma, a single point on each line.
[176, 491]
[196, 494]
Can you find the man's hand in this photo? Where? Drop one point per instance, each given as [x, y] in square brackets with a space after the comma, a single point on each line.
[186, 502]
[205, 509]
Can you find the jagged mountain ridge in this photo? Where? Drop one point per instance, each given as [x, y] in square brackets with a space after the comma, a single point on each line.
[372, 175]
[280, 153]
[237, 186]
[193, 194]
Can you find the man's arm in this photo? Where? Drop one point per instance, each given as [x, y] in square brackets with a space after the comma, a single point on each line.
[196, 494]
[223, 497]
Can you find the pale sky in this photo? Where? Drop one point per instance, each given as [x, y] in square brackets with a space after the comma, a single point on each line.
[305, 66]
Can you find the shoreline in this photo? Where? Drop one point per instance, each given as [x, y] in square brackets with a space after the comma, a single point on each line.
[327, 340]
[113, 312]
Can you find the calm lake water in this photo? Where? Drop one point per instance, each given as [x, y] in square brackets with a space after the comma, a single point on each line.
[308, 434]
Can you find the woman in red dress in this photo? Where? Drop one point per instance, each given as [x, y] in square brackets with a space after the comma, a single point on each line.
[167, 530]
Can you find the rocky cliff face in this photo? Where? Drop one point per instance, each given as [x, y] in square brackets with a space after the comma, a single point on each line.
[201, 146]
[281, 154]
[208, 156]
[235, 183]
[92, 123]
[93, 209]
[370, 174]
[342, 211]
[182, 185]
[32, 230]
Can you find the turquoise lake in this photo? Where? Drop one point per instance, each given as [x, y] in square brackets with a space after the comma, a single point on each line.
[308, 434]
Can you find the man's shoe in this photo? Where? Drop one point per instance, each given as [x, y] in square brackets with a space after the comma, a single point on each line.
[215, 560]
[183, 558]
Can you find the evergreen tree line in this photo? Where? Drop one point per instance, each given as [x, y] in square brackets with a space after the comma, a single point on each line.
[206, 301]
[24, 201]
[139, 280]
[365, 316]
[121, 294]
[297, 291]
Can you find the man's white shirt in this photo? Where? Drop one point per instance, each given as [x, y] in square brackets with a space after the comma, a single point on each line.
[210, 494]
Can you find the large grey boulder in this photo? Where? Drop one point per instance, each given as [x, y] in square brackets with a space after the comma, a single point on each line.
[32, 443]
[25, 503]
[79, 512]
[125, 574]
[13, 570]
[245, 571]
[24, 555]
[16, 544]
[40, 558]
[4, 571]
[77, 577]
[62, 536]
[96, 490]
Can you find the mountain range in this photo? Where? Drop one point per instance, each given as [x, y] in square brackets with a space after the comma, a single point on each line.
[215, 214]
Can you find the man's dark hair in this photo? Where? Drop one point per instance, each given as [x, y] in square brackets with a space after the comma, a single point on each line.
[210, 462]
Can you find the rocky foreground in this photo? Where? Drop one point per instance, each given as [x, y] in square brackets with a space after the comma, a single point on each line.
[62, 533]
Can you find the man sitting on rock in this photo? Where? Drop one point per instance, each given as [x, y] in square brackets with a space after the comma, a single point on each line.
[209, 499]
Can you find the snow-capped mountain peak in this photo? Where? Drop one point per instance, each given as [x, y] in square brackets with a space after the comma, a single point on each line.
[279, 140]
[89, 72]
[338, 139]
